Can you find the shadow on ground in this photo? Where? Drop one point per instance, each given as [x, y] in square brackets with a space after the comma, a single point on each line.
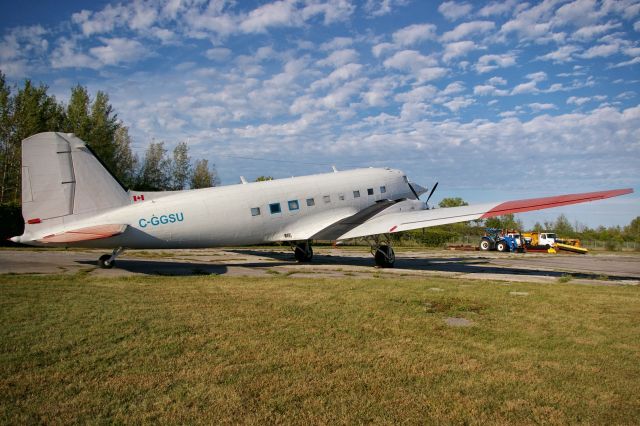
[462, 265]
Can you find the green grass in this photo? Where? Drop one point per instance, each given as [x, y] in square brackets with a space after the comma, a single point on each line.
[289, 350]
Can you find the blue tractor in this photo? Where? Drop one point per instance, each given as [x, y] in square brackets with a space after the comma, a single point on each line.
[501, 240]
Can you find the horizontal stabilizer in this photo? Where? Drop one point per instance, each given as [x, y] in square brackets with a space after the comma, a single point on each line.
[85, 234]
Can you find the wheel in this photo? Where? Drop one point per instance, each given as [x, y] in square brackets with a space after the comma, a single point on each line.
[502, 246]
[105, 261]
[303, 252]
[485, 244]
[385, 257]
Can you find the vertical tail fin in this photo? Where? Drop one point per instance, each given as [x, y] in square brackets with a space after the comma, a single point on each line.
[62, 181]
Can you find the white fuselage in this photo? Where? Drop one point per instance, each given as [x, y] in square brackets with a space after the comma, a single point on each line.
[290, 209]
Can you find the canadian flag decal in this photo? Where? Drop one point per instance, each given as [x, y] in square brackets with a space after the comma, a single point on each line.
[137, 198]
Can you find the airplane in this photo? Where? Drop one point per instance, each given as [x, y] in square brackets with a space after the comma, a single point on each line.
[70, 199]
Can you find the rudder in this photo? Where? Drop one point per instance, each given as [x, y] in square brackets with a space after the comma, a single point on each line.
[62, 181]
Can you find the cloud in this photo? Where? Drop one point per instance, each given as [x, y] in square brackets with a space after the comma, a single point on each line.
[66, 55]
[488, 90]
[528, 87]
[376, 8]
[535, 106]
[497, 8]
[574, 100]
[457, 49]
[468, 28]
[601, 50]
[578, 12]
[100, 22]
[409, 60]
[562, 54]
[118, 50]
[345, 72]
[497, 81]
[417, 95]
[339, 57]
[413, 34]
[218, 53]
[591, 31]
[458, 103]
[491, 62]
[455, 87]
[454, 11]
[277, 14]
[537, 76]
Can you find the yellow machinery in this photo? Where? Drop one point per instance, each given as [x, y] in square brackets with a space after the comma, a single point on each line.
[572, 245]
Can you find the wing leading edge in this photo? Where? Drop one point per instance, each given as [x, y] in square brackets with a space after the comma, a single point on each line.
[405, 221]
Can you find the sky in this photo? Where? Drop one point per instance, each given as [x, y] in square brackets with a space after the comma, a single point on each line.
[494, 100]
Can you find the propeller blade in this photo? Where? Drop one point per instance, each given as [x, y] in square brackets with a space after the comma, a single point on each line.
[414, 191]
[431, 193]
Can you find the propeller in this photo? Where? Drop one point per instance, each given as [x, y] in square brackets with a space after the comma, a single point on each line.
[413, 190]
[430, 194]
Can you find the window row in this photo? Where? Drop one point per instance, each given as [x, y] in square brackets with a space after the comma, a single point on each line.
[275, 208]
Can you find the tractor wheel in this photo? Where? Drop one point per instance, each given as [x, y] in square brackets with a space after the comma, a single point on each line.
[501, 246]
[485, 244]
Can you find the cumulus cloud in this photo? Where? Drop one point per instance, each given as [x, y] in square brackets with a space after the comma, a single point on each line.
[118, 50]
[381, 7]
[601, 50]
[562, 54]
[466, 29]
[578, 101]
[453, 11]
[491, 62]
[455, 87]
[458, 49]
[456, 104]
[497, 8]
[338, 58]
[591, 31]
[218, 53]
[413, 34]
[536, 106]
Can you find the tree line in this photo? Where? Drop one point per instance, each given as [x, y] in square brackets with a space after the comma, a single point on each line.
[30, 109]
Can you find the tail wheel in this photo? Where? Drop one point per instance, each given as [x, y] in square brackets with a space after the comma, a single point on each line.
[485, 245]
[303, 252]
[105, 261]
[385, 257]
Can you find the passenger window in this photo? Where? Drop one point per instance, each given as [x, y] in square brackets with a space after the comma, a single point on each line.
[383, 189]
[311, 202]
[370, 191]
[275, 208]
[293, 205]
[356, 194]
[326, 199]
[341, 197]
[255, 211]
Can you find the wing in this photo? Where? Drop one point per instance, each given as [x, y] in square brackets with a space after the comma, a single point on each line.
[84, 234]
[404, 221]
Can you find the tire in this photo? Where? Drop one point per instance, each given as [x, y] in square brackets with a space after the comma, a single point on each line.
[485, 244]
[303, 252]
[501, 246]
[105, 261]
[385, 257]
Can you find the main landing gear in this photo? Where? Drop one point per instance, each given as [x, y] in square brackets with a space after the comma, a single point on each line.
[382, 252]
[302, 251]
[106, 261]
